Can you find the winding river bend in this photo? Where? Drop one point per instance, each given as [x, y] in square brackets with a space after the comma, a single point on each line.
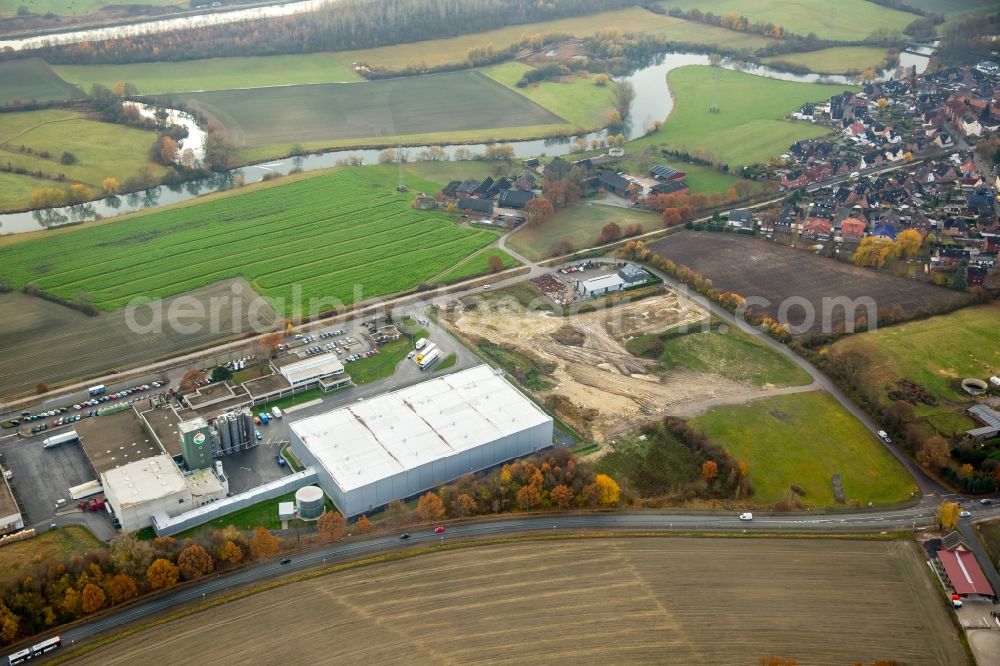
[652, 102]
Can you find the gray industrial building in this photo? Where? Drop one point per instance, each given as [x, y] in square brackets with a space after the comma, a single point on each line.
[400, 444]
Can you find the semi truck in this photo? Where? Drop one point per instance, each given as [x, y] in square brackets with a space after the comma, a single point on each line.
[61, 438]
[429, 358]
[423, 353]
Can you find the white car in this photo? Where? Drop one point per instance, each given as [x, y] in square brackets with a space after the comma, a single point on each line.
[884, 436]
[410, 355]
[487, 286]
[746, 516]
[964, 514]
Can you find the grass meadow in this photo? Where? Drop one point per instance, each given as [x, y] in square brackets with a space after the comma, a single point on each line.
[750, 125]
[578, 100]
[580, 225]
[837, 60]
[804, 439]
[344, 236]
[31, 79]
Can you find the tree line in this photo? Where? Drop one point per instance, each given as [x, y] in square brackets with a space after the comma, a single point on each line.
[347, 25]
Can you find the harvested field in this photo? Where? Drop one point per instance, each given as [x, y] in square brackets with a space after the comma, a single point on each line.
[596, 600]
[43, 341]
[598, 386]
[392, 107]
[757, 268]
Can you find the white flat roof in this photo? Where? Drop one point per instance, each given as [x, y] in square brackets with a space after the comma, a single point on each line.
[602, 282]
[312, 368]
[394, 432]
[144, 480]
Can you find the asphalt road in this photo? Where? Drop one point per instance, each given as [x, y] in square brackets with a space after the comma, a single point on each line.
[352, 548]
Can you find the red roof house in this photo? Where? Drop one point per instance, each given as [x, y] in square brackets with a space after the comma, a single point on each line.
[964, 573]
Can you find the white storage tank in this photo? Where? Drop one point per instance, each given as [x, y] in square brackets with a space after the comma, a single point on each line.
[309, 501]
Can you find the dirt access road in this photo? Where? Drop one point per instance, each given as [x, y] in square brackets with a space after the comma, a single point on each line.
[719, 601]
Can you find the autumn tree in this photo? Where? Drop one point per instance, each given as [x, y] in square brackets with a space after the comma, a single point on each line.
[131, 555]
[495, 263]
[622, 96]
[430, 507]
[190, 380]
[231, 553]
[538, 210]
[271, 341]
[168, 150]
[874, 251]
[194, 562]
[47, 197]
[908, 243]
[671, 217]
[93, 598]
[463, 505]
[601, 80]
[947, 514]
[9, 624]
[529, 496]
[109, 186]
[41, 388]
[610, 491]
[162, 574]
[263, 544]
[709, 470]
[610, 232]
[364, 525]
[331, 526]
[935, 452]
[561, 496]
[122, 587]
[79, 193]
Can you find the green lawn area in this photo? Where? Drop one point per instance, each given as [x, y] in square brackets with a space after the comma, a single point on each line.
[384, 363]
[443, 172]
[31, 79]
[579, 101]
[74, 7]
[843, 20]
[936, 351]
[429, 104]
[749, 127]
[732, 354]
[835, 60]
[804, 439]
[447, 362]
[48, 548]
[476, 265]
[215, 73]
[262, 514]
[580, 225]
[326, 234]
[292, 400]
[59, 130]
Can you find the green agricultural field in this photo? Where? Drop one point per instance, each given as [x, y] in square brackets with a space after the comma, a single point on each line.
[936, 353]
[215, 73]
[804, 439]
[732, 354]
[32, 80]
[578, 100]
[454, 50]
[444, 172]
[749, 127]
[843, 20]
[436, 103]
[74, 7]
[580, 225]
[837, 60]
[340, 236]
[951, 8]
[58, 130]
[477, 264]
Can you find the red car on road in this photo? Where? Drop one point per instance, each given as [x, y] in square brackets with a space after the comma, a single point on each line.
[439, 529]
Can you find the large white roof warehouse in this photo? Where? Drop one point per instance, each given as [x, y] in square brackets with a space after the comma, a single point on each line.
[402, 443]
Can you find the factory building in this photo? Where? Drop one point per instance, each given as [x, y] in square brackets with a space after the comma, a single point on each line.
[400, 444]
[196, 443]
[138, 490]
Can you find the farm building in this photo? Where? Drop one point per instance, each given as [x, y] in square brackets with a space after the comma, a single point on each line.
[660, 172]
[400, 444]
[964, 574]
[670, 187]
[138, 490]
[612, 182]
[989, 418]
[514, 198]
[479, 206]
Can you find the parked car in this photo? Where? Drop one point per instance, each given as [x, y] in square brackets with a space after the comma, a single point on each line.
[281, 461]
[964, 514]
[259, 436]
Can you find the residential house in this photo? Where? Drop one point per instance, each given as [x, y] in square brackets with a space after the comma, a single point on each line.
[740, 219]
[853, 228]
[818, 228]
[632, 275]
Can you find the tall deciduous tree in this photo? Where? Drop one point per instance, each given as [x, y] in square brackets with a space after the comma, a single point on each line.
[231, 553]
[709, 470]
[263, 544]
[331, 526]
[194, 562]
[430, 507]
[162, 574]
[610, 492]
[538, 210]
[622, 96]
[93, 598]
[947, 514]
[122, 587]
[561, 496]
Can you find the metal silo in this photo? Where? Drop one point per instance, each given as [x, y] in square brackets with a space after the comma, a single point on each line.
[309, 501]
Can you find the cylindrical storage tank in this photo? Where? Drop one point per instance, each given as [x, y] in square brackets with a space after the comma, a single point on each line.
[309, 502]
[222, 424]
[234, 434]
[248, 427]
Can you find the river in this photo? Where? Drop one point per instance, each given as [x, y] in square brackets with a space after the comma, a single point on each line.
[652, 102]
[163, 25]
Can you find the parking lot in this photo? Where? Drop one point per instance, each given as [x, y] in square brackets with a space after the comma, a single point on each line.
[350, 343]
[42, 476]
[248, 469]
